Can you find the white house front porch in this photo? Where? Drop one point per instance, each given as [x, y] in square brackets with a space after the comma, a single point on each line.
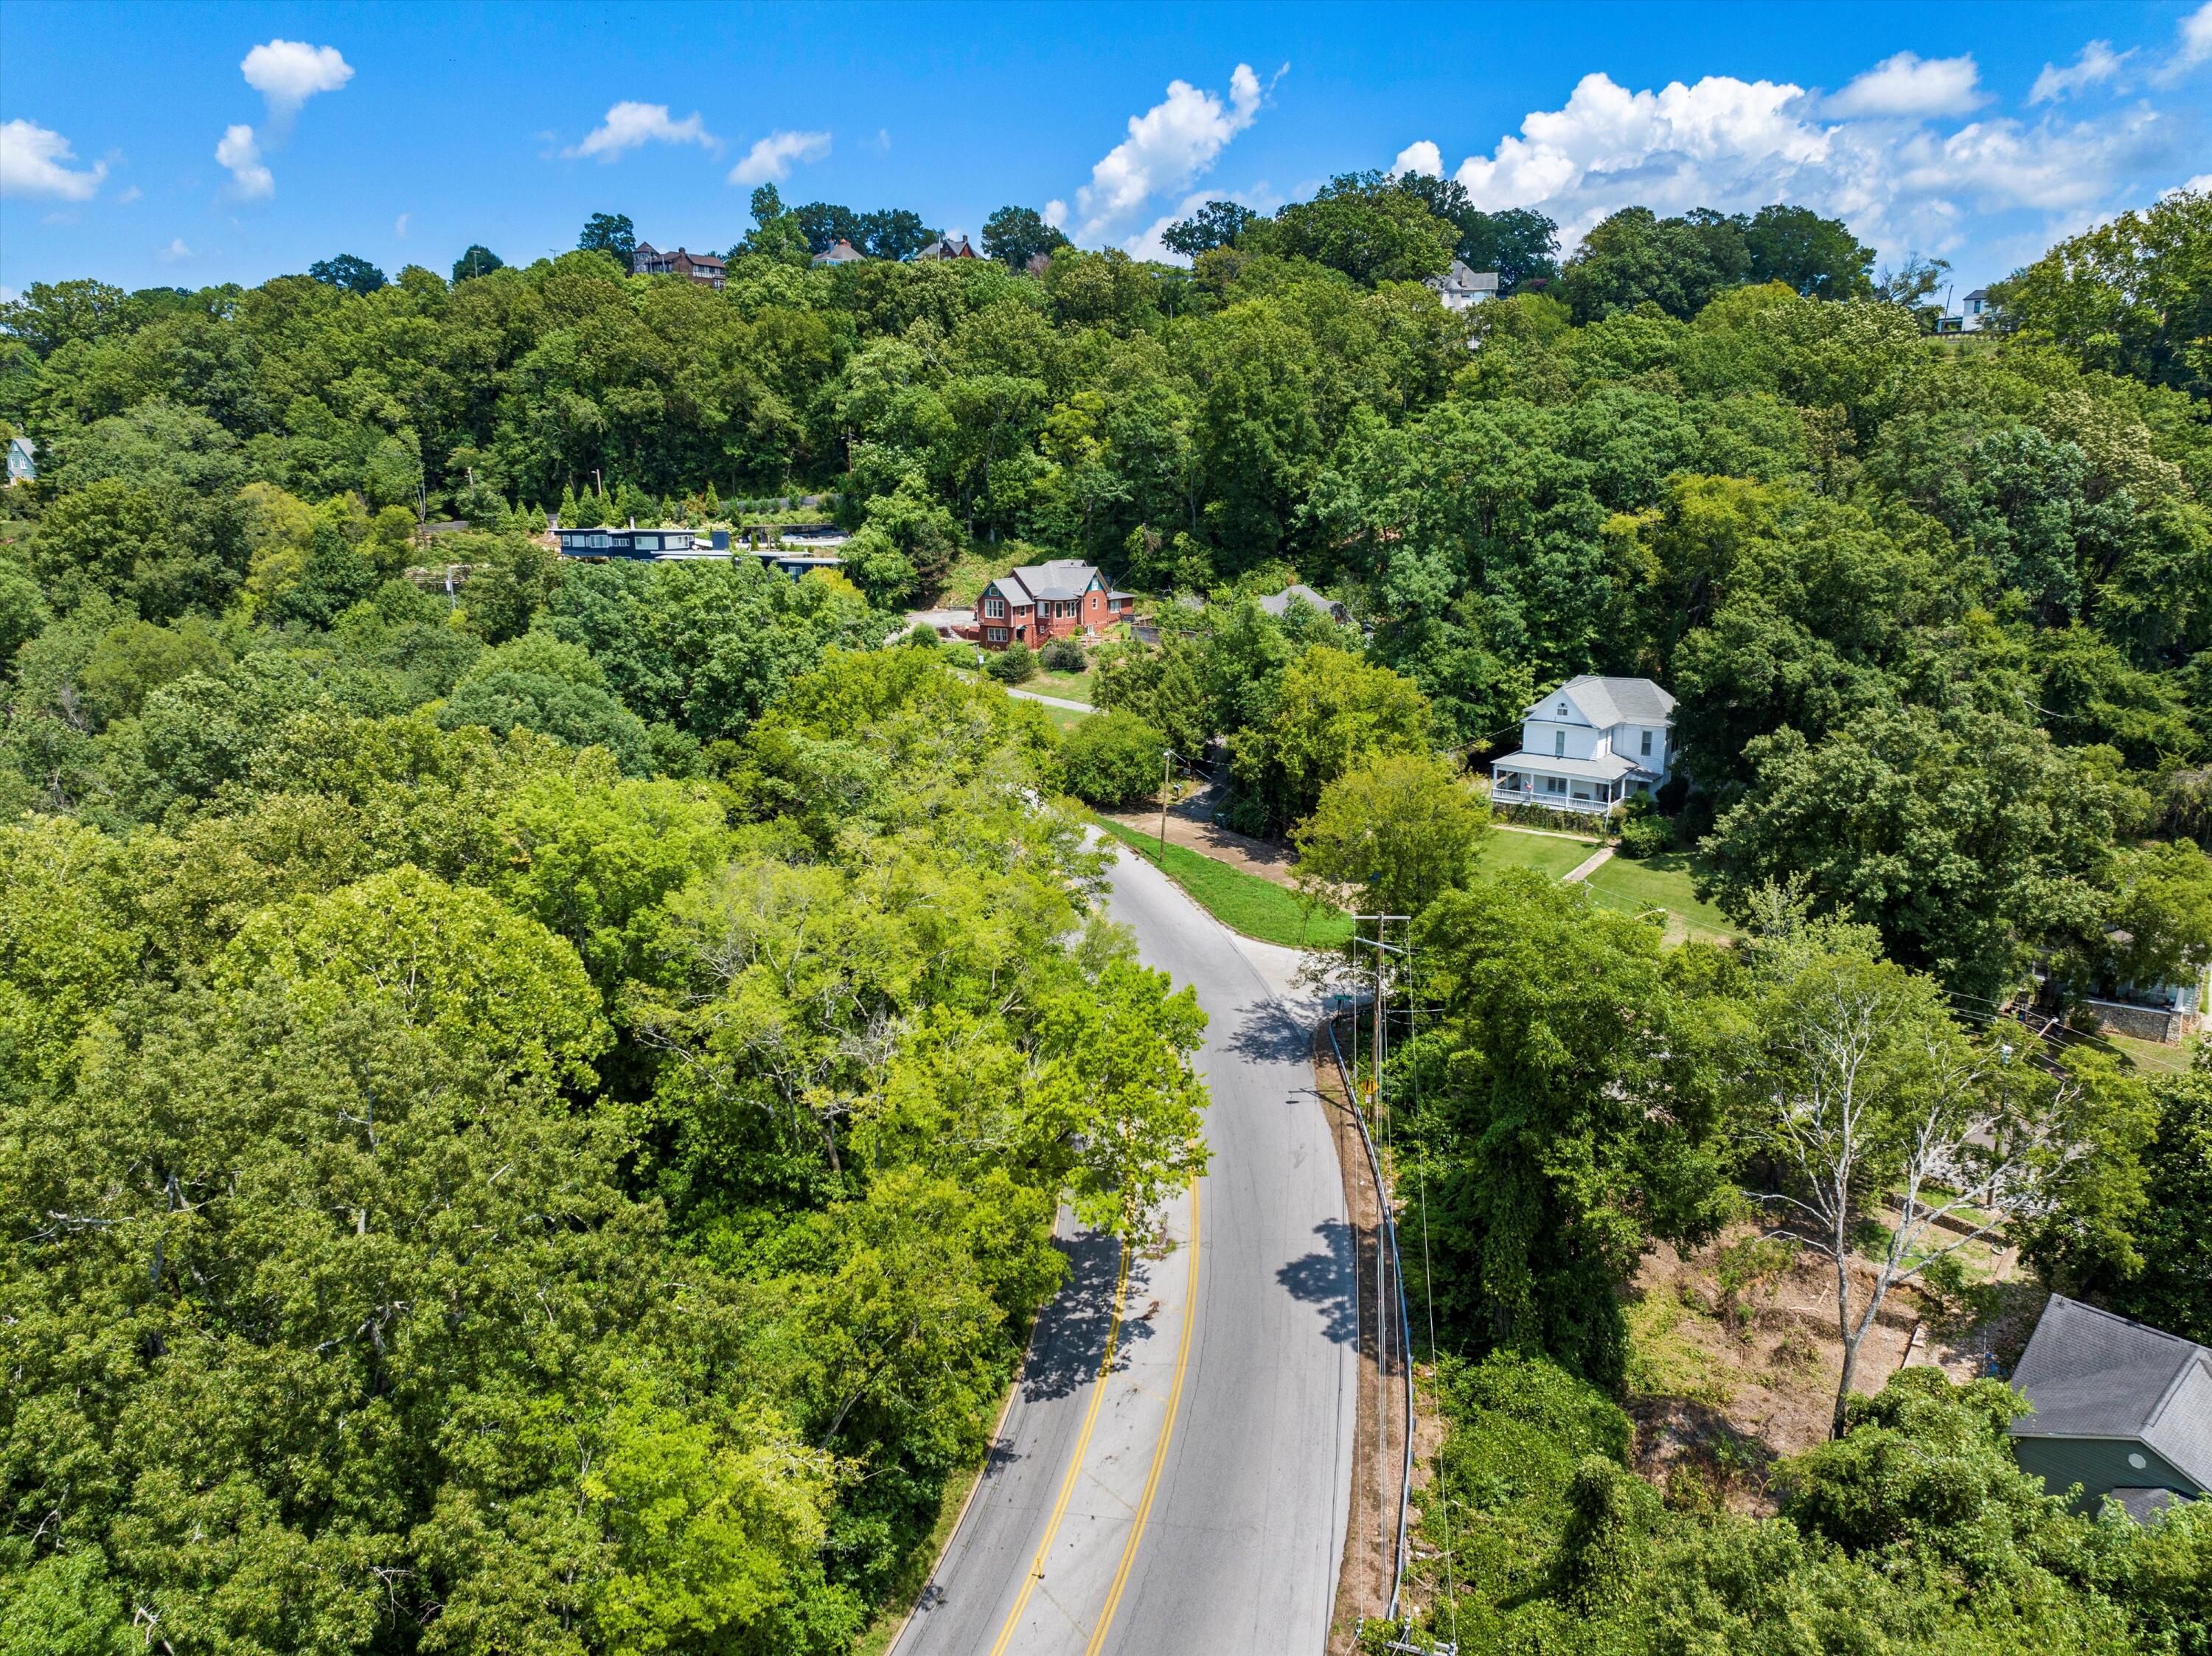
[1593, 786]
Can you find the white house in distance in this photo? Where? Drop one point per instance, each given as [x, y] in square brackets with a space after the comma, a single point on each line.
[1462, 289]
[1589, 745]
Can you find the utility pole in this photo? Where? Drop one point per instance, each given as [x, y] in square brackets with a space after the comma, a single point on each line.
[1167, 758]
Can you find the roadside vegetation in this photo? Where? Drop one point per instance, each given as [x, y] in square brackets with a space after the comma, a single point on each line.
[1242, 902]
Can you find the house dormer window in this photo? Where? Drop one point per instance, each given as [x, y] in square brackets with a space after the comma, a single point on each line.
[1563, 710]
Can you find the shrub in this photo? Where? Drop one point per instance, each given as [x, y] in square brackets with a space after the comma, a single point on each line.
[1015, 665]
[1063, 655]
[1110, 759]
[1645, 834]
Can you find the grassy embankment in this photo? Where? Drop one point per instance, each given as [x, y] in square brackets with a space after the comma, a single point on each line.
[1242, 902]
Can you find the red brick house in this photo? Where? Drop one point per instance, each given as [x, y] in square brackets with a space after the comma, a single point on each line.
[1041, 602]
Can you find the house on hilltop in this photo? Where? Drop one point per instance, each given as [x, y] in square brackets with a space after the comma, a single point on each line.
[945, 247]
[1589, 745]
[840, 252]
[2121, 1408]
[649, 260]
[1462, 289]
[1041, 602]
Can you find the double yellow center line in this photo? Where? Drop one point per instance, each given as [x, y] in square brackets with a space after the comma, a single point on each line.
[1035, 1573]
[1074, 1466]
[1160, 1450]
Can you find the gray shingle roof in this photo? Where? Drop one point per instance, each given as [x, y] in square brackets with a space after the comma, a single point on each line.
[1279, 603]
[2090, 1373]
[1058, 577]
[1610, 701]
[1461, 280]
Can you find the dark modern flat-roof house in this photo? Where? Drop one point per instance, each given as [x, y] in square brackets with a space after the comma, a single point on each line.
[2121, 1408]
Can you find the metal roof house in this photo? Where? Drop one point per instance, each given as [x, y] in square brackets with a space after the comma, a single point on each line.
[666, 544]
[603, 541]
[2121, 1408]
[1588, 745]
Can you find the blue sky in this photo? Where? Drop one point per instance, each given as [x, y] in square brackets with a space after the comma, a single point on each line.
[172, 144]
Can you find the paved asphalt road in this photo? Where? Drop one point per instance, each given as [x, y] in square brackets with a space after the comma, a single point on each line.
[1192, 1499]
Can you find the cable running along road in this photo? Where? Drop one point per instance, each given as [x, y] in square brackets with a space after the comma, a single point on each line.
[1172, 1477]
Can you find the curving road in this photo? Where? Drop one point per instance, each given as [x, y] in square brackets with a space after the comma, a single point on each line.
[1173, 1472]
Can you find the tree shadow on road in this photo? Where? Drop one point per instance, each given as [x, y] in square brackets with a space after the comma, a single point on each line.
[1327, 1279]
[1069, 1341]
[1267, 1034]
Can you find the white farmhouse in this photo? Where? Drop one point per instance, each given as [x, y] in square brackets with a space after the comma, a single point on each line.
[1588, 745]
[1462, 289]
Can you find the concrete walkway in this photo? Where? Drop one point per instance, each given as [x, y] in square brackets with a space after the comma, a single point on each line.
[1589, 865]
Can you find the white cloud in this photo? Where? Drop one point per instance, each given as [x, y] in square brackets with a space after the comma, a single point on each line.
[1168, 146]
[1422, 155]
[1146, 244]
[1055, 213]
[174, 251]
[400, 227]
[1911, 86]
[2098, 63]
[2202, 184]
[2192, 46]
[286, 73]
[33, 162]
[249, 180]
[134, 193]
[1737, 145]
[629, 124]
[772, 157]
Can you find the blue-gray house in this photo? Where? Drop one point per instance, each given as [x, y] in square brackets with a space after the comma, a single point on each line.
[2121, 1408]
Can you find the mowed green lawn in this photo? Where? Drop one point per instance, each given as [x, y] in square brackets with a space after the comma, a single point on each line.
[1661, 882]
[1065, 718]
[1242, 902]
[1068, 687]
[1548, 856]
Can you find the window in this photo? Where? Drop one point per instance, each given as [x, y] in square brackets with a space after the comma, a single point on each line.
[1563, 710]
[1558, 744]
[996, 634]
[994, 606]
[1555, 785]
[1647, 744]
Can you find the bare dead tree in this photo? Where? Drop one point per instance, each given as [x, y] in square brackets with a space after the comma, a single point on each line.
[1874, 1098]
